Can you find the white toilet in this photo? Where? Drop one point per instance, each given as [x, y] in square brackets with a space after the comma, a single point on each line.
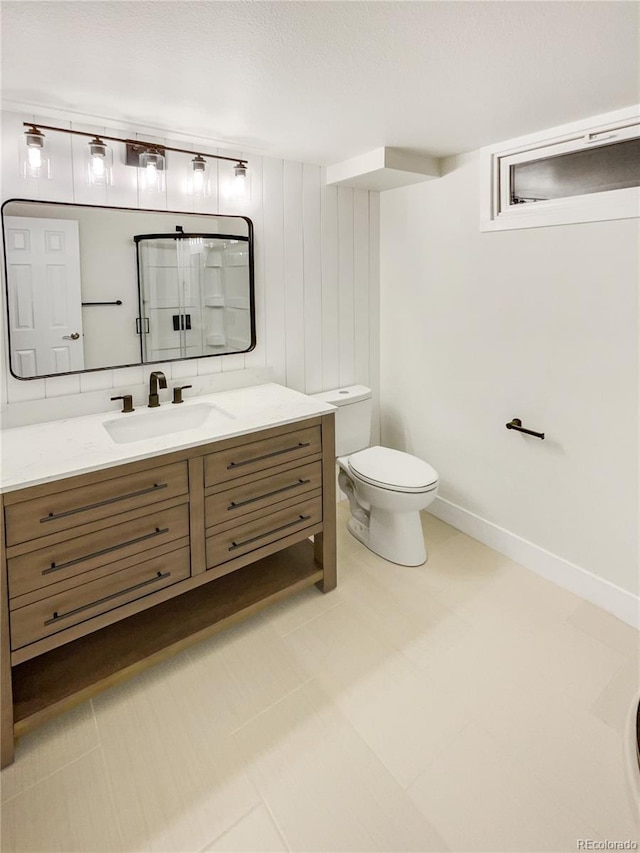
[386, 488]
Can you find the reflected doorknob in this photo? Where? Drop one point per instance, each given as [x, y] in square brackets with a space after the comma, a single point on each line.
[72, 337]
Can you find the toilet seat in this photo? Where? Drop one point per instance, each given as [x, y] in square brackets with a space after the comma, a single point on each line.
[393, 470]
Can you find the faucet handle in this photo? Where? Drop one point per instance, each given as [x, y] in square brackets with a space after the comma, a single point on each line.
[127, 402]
[177, 393]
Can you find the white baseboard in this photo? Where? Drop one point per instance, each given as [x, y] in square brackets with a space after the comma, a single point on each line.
[621, 603]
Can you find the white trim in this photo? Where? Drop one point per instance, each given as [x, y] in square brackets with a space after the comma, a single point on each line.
[620, 602]
[616, 204]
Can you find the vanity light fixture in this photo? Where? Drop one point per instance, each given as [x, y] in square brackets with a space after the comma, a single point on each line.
[147, 157]
[99, 163]
[34, 160]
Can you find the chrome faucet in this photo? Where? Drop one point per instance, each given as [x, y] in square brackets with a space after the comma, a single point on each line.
[156, 380]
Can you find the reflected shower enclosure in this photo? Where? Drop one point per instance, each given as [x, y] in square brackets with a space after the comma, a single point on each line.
[193, 292]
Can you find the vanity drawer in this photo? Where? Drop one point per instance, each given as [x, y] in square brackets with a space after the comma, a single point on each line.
[62, 610]
[243, 498]
[73, 506]
[73, 557]
[224, 545]
[254, 456]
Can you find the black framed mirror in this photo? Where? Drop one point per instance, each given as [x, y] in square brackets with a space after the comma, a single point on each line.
[92, 288]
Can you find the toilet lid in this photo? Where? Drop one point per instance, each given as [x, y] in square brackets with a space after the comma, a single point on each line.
[393, 469]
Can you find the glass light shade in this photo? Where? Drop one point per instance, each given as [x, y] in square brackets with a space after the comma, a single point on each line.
[151, 172]
[34, 161]
[99, 164]
[199, 184]
[238, 189]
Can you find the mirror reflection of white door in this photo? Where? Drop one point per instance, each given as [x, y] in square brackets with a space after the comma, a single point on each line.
[45, 303]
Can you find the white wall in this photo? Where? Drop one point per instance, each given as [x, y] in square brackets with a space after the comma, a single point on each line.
[316, 256]
[540, 324]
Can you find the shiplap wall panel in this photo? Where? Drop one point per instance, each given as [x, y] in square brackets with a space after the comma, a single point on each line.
[255, 211]
[374, 310]
[361, 297]
[315, 253]
[230, 204]
[273, 238]
[13, 186]
[176, 177]
[330, 302]
[210, 203]
[346, 316]
[61, 386]
[293, 276]
[312, 246]
[206, 204]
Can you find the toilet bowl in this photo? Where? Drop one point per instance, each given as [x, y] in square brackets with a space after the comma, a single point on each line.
[386, 488]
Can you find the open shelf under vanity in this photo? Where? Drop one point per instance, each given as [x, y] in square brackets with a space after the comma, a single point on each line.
[57, 680]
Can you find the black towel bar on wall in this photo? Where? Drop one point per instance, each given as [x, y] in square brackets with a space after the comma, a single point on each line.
[516, 423]
[115, 302]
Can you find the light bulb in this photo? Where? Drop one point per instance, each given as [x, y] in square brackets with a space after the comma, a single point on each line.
[35, 157]
[99, 163]
[97, 166]
[35, 164]
[152, 171]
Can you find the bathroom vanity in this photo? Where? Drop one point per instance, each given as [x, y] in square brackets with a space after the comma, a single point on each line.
[121, 550]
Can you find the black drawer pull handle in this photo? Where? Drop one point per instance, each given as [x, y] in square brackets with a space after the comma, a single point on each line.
[55, 515]
[235, 545]
[58, 616]
[55, 567]
[296, 485]
[253, 459]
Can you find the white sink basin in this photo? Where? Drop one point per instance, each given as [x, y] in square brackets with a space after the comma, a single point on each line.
[137, 427]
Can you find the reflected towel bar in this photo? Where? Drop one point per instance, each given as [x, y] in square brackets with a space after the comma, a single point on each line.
[115, 302]
[516, 423]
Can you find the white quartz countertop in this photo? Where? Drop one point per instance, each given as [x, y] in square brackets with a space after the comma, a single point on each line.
[39, 453]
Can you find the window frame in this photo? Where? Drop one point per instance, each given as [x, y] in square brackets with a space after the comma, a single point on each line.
[499, 214]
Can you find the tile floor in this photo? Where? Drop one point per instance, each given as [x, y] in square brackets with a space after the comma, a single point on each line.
[465, 705]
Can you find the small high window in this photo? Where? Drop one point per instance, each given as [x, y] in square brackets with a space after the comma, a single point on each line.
[610, 167]
[583, 176]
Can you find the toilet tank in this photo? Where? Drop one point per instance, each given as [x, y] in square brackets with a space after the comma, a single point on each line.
[353, 417]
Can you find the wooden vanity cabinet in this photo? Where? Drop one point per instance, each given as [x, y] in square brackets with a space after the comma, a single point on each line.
[106, 573]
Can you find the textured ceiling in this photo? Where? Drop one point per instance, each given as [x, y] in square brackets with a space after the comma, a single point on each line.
[324, 81]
